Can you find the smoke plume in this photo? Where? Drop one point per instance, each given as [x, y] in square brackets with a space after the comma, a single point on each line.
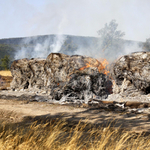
[39, 49]
[35, 47]
[82, 18]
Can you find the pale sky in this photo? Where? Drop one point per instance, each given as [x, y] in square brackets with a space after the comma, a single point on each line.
[21, 18]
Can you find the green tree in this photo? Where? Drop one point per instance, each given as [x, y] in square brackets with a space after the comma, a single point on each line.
[5, 62]
[110, 35]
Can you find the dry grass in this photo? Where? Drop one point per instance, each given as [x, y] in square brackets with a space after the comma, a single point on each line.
[58, 135]
[6, 77]
[5, 73]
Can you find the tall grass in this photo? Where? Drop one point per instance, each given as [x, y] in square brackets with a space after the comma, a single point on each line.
[58, 135]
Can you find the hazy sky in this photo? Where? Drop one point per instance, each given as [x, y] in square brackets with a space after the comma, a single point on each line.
[20, 18]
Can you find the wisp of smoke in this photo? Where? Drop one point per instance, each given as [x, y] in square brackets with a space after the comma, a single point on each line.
[110, 54]
[58, 42]
[41, 50]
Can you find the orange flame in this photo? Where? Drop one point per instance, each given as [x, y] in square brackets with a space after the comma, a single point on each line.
[105, 63]
[100, 65]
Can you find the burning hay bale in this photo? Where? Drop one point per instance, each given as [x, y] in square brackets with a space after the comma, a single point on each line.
[61, 76]
[132, 74]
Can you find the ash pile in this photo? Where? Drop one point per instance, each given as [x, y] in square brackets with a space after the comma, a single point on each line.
[131, 74]
[63, 77]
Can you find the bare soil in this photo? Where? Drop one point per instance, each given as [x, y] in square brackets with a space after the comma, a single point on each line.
[16, 111]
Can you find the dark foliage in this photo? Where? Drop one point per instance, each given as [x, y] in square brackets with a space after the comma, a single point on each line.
[5, 62]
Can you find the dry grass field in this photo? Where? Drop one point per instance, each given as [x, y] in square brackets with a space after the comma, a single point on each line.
[55, 134]
[5, 73]
[19, 131]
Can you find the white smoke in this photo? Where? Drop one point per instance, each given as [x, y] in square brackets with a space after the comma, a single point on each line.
[43, 49]
[68, 17]
[111, 54]
[40, 50]
[49, 45]
[94, 49]
[134, 47]
[59, 41]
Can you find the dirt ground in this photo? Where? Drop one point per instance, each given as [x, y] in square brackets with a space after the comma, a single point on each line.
[16, 111]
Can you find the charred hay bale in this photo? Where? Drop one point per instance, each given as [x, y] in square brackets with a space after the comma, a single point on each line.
[61, 75]
[56, 68]
[82, 86]
[27, 74]
[20, 71]
[38, 75]
[78, 86]
[60, 66]
[85, 65]
[132, 73]
[74, 76]
[100, 85]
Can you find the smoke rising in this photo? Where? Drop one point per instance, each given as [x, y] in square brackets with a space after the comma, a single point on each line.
[85, 18]
[39, 49]
[58, 42]
[111, 54]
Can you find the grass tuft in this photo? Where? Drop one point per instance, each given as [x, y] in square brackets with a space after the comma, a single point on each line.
[58, 135]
